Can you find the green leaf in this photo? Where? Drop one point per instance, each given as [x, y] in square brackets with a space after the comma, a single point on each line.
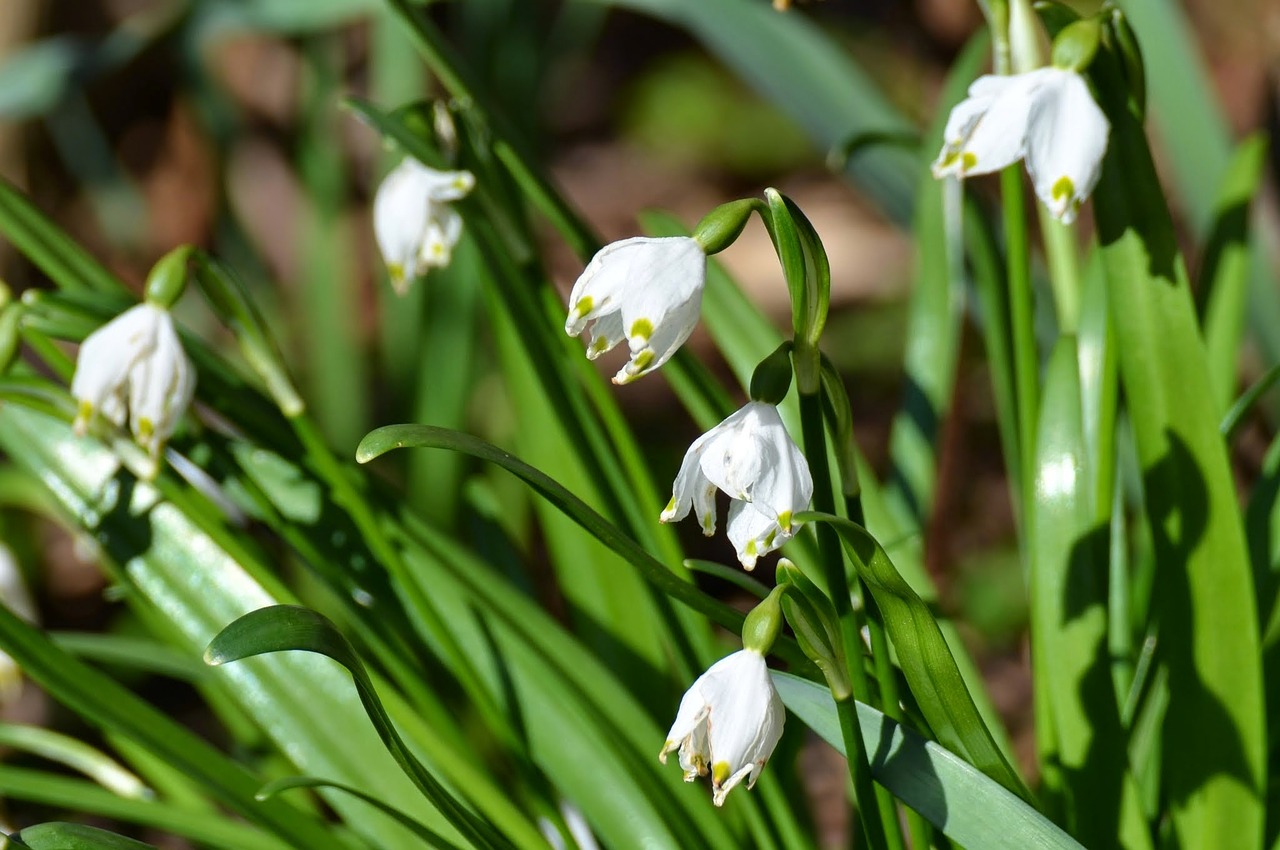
[431, 837]
[930, 669]
[281, 628]
[1224, 273]
[1082, 738]
[75, 836]
[1214, 734]
[965, 804]
[74, 754]
[213, 829]
[382, 440]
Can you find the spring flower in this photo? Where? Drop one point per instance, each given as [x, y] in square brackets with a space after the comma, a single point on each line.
[647, 291]
[414, 224]
[1047, 117]
[728, 723]
[751, 457]
[134, 367]
[14, 596]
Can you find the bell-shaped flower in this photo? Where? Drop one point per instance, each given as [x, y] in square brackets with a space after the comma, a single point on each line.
[728, 723]
[751, 457]
[647, 291]
[134, 368]
[1047, 117]
[14, 596]
[414, 224]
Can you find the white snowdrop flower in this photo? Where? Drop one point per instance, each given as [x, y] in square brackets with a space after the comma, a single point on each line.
[647, 291]
[751, 457]
[134, 368]
[1047, 117]
[728, 723]
[14, 596]
[413, 222]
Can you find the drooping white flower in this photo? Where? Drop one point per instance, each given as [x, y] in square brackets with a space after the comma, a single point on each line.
[751, 457]
[414, 224]
[134, 368]
[728, 723]
[14, 596]
[1047, 117]
[645, 290]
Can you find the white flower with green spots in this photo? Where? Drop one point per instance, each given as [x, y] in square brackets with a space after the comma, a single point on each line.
[1047, 117]
[647, 291]
[728, 723]
[751, 457]
[134, 368]
[414, 224]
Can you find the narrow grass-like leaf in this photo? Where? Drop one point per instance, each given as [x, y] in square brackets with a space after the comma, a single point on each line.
[968, 806]
[924, 656]
[74, 754]
[1224, 272]
[1214, 737]
[74, 836]
[382, 440]
[54, 252]
[283, 628]
[211, 829]
[429, 836]
[1072, 673]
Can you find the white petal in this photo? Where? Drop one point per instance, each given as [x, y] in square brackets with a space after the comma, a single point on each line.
[444, 229]
[13, 589]
[401, 209]
[606, 333]
[731, 457]
[785, 485]
[108, 355]
[753, 533]
[1066, 142]
[689, 480]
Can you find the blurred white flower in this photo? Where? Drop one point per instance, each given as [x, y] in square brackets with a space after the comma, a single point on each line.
[14, 596]
[134, 367]
[414, 224]
[1047, 117]
[647, 291]
[751, 457]
[728, 723]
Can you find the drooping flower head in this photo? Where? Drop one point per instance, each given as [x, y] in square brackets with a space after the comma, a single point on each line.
[728, 723]
[647, 291]
[414, 224]
[1047, 117]
[134, 368]
[751, 457]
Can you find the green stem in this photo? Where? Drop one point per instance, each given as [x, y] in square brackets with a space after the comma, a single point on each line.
[1022, 318]
[871, 809]
[1064, 269]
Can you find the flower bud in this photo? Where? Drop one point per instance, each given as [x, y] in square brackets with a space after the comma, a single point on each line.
[1076, 45]
[771, 379]
[721, 227]
[168, 278]
[763, 623]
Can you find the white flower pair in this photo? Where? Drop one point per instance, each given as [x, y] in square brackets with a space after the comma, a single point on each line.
[648, 291]
[1046, 117]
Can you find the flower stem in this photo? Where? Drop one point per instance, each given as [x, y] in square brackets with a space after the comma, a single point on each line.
[873, 809]
[1022, 318]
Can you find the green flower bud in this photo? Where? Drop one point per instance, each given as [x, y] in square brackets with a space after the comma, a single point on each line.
[813, 619]
[771, 380]
[1077, 44]
[721, 227]
[168, 278]
[763, 624]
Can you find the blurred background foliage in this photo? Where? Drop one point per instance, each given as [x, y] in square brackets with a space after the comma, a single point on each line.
[141, 124]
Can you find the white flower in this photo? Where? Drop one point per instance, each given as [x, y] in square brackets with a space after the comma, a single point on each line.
[646, 291]
[134, 367]
[14, 596]
[751, 457]
[728, 723]
[415, 227]
[1046, 116]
